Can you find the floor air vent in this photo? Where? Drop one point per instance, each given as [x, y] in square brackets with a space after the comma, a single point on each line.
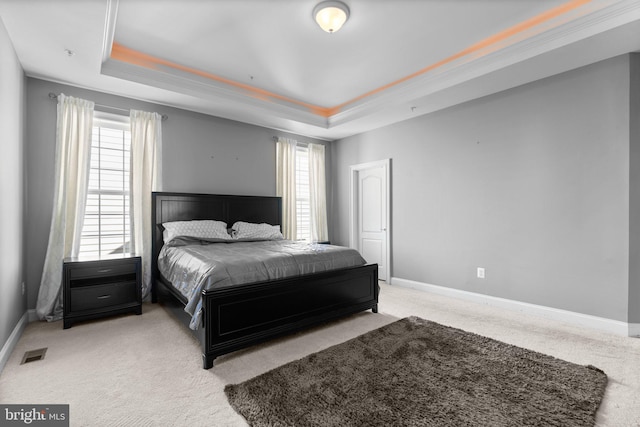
[33, 355]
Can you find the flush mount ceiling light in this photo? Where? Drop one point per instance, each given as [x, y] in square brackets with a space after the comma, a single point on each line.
[331, 15]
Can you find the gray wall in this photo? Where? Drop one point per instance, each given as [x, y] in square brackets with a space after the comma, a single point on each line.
[531, 183]
[200, 154]
[13, 305]
[634, 194]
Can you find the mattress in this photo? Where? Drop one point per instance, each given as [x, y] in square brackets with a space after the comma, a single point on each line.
[194, 266]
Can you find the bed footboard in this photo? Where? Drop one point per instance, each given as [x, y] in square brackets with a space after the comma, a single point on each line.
[238, 317]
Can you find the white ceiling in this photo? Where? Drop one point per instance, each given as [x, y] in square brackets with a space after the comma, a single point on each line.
[267, 62]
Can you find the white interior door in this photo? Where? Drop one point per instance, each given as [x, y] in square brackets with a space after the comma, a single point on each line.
[370, 221]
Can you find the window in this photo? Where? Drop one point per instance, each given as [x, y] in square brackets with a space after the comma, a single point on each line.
[303, 200]
[300, 181]
[106, 227]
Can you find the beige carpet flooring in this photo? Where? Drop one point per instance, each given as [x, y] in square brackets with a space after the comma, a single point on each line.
[146, 370]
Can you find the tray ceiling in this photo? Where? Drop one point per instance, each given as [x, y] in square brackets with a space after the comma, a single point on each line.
[269, 64]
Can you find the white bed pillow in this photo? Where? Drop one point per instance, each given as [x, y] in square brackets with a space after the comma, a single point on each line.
[250, 231]
[202, 229]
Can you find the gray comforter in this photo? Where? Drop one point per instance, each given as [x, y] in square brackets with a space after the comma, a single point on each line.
[194, 266]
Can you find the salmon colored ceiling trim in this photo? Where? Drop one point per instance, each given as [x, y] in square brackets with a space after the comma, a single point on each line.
[509, 32]
[131, 56]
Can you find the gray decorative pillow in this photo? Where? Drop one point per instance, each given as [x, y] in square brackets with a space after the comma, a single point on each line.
[251, 231]
[202, 229]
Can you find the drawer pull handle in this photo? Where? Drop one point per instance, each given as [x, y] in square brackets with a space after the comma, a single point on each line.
[105, 270]
[104, 296]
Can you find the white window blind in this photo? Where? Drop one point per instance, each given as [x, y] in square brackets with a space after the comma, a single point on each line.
[303, 203]
[106, 227]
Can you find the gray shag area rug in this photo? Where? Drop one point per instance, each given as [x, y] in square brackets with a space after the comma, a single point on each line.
[415, 372]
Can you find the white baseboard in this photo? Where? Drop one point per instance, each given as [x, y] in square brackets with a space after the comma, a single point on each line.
[33, 315]
[579, 319]
[634, 329]
[13, 340]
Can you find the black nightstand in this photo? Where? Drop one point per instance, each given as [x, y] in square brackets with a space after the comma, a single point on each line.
[101, 287]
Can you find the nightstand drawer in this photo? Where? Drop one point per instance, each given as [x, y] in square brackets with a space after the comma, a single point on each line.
[102, 296]
[103, 270]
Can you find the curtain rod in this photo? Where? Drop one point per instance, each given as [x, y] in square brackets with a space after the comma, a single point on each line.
[302, 144]
[55, 96]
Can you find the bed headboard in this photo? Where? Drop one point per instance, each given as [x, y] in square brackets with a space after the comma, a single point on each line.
[228, 208]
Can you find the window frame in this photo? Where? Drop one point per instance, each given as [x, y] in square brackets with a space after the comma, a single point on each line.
[303, 194]
[118, 123]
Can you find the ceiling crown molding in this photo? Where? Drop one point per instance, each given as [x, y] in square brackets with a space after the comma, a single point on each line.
[600, 16]
[111, 15]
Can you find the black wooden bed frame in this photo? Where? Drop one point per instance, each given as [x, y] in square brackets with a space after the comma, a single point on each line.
[240, 316]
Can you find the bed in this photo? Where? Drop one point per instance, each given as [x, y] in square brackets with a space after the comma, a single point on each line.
[235, 317]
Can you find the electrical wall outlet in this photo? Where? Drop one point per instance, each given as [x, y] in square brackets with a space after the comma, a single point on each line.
[480, 273]
[24, 288]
